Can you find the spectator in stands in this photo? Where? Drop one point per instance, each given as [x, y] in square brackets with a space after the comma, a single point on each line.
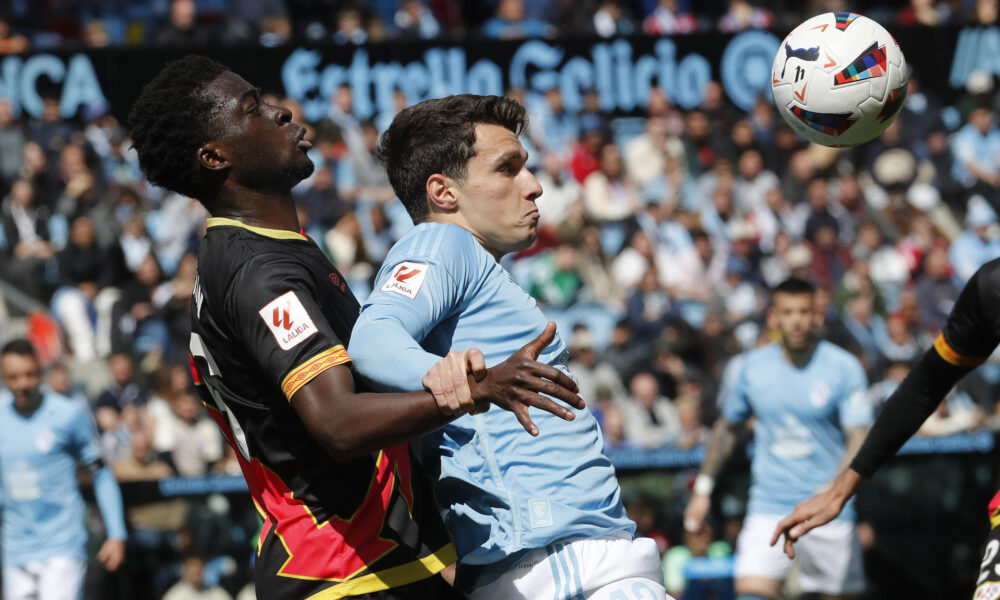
[182, 27]
[742, 15]
[689, 402]
[26, 247]
[551, 127]
[350, 27]
[611, 20]
[591, 372]
[978, 243]
[189, 436]
[562, 192]
[936, 289]
[608, 197]
[649, 308]
[192, 584]
[414, 20]
[976, 147]
[753, 182]
[12, 142]
[123, 390]
[651, 420]
[645, 154]
[80, 305]
[667, 19]
[10, 42]
[613, 429]
[510, 22]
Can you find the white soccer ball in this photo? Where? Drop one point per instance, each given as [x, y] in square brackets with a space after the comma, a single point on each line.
[839, 79]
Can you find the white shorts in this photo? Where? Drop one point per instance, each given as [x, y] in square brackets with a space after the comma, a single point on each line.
[828, 557]
[613, 567]
[59, 578]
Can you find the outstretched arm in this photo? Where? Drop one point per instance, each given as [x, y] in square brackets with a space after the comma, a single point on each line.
[350, 424]
[719, 449]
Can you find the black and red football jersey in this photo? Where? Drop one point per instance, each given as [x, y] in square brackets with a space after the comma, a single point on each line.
[270, 313]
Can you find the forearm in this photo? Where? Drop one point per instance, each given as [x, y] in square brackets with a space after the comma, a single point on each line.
[906, 410]
[720, 447]
[109, 502]
[349, 424]
[853, 438]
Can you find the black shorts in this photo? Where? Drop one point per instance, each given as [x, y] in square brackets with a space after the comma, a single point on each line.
[432, 588]
[988, 582]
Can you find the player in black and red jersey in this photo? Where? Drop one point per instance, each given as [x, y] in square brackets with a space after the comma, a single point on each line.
[346, 514]
[970, 335]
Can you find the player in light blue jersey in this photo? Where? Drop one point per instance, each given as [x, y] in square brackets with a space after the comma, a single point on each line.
[812, 412]
[45, 436]
[532, 516]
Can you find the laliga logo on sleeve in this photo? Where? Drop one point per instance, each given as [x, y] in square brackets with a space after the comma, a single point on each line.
[406, 279]
[288, 320]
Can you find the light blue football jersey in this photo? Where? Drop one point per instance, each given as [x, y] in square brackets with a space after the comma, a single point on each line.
[501, 490]
[801, 414]
[43, 511]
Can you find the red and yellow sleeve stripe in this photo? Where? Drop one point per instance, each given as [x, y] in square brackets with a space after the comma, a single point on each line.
[307, 371]
[956, 358]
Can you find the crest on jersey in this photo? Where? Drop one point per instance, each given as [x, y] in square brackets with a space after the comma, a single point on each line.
[288, 320]
[406, 279]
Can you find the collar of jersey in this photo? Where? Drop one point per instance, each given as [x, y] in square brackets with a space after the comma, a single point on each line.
[279, 234]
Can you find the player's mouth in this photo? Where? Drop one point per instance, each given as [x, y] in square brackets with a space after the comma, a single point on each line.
[533, 215]
[301, 142]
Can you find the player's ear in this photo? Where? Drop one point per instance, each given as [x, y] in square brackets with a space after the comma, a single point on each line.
[441, 192]
[213, 156]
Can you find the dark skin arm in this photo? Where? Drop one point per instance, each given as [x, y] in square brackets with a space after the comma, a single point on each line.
[351, 424]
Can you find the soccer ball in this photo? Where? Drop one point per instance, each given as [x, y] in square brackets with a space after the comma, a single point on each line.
[839, 79]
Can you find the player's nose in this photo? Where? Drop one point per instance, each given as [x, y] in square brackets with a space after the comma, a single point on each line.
[532, 189]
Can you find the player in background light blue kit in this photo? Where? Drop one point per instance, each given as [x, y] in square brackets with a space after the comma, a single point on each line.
[533, 516]
[812, 412]
[45, 436]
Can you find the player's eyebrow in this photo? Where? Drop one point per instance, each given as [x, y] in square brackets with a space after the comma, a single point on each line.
[254, 93]
[506, 156]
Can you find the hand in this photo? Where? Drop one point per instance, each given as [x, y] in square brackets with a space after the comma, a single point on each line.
[519, 382]
[111, 554]
[818, 510]
[696, 512]
[448, 381]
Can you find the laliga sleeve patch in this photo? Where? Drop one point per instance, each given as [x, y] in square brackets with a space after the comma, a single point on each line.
[288, 320]
[406, 279]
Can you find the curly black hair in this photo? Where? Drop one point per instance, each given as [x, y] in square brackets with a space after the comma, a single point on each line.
[170, 121]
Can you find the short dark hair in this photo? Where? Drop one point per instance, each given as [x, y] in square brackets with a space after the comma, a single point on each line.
[19, 346]
[170, 121]
[794, 285]
[439, 136]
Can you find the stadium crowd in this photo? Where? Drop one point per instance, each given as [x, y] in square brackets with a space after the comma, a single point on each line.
[659, 238]
[51, 24]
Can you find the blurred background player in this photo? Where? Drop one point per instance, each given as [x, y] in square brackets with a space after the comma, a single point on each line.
[809, 400]
[45, 437]
[970, 335]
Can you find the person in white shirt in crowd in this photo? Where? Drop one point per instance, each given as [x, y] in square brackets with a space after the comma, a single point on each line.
[651, 420]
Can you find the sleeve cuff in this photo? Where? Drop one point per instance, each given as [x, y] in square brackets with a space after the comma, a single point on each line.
[950, 355]
[307, 371]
